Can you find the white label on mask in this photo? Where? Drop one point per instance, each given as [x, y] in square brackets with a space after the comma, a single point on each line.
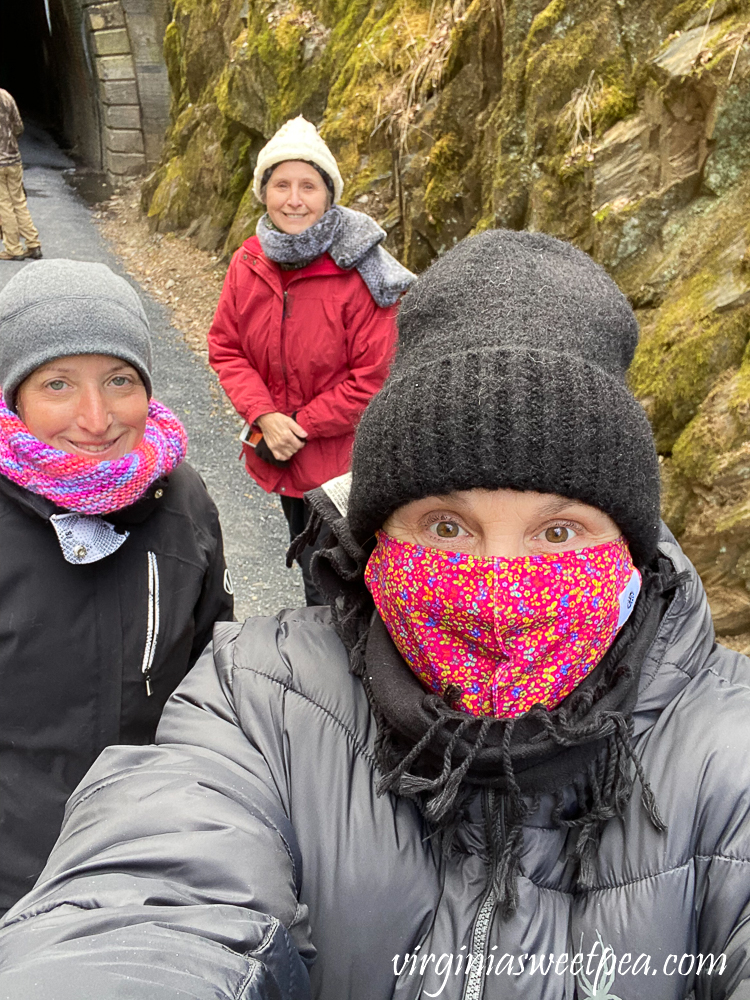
[628, 597]
[337, 490]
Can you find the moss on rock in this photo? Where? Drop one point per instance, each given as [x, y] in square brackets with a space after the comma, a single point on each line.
[680, 357]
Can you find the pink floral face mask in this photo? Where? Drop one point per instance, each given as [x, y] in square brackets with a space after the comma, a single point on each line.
[511, 633]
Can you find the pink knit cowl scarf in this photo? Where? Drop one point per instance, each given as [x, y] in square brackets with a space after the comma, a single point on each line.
[91, 487]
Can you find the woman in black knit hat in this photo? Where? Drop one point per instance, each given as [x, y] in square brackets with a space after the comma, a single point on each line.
[510, 761]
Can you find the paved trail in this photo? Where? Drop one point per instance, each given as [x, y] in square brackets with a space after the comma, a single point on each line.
[255, 531]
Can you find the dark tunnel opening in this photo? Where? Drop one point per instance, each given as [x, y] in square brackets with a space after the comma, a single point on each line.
[90, 73]
[45, 65]
[28, 64]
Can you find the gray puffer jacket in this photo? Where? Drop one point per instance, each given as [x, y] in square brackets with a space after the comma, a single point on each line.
[249, 856]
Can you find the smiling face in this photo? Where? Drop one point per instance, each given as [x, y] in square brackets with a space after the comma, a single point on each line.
[504, 523]
[91, 405]
[296, 196]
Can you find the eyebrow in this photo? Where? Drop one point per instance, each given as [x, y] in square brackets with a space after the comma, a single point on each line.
[451, 498]
[556, 504]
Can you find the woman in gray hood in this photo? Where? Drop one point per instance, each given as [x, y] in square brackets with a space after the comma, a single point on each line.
[509, 761]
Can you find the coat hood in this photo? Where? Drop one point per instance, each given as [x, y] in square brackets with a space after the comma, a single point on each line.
[683, 642]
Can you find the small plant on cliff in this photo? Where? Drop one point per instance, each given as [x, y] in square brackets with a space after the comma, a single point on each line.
[578, 114]
[424, 76]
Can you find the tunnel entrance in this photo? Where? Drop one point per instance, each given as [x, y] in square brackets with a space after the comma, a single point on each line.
[27, 67]
[92, 73]
[45, 66]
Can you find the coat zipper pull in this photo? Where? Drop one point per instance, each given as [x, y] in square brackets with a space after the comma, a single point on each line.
[149, 690]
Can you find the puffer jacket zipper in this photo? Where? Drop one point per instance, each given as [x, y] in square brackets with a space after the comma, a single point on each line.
[480, 932]
[152, 621]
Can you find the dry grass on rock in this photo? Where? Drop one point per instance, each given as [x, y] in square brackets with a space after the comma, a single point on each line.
[168, 265]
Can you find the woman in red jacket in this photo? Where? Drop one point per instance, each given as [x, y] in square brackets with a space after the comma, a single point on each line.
[305, 327]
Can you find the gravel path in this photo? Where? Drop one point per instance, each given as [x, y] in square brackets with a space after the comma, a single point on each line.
[255, 531]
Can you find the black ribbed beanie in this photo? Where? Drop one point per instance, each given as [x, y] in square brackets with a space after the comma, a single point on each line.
[510, 373]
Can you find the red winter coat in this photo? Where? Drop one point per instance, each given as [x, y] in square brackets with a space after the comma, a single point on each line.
[320, 349]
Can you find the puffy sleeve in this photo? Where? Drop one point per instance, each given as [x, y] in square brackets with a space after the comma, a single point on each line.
[177, 872]
[721, 825]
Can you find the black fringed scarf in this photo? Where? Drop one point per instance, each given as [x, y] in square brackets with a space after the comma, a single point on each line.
[438, 756]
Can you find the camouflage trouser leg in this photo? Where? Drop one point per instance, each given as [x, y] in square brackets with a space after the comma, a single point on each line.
[15, 219]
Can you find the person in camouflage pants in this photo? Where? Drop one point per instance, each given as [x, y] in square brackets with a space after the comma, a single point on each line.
[15, 219]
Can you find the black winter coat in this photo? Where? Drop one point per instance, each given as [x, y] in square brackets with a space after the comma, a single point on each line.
[73, 645]
[248, 855]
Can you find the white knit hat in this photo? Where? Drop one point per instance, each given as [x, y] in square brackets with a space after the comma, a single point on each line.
[297, 139]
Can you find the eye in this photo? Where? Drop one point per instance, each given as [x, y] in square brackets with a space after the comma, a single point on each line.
[559, 533]
[447, 529]
[120, 380]
[56, 384]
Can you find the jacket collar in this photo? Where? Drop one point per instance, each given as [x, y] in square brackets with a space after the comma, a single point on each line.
[254, 258]
[30, 503]
[39, 506]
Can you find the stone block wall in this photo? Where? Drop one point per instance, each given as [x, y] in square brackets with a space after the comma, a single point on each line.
[124, 42]
[123, 148]
[147, 21]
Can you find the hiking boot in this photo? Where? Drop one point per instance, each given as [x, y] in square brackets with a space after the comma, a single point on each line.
[34, 254]
[4, 255]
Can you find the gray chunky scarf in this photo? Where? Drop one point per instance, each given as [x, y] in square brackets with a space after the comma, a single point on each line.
[352, 239]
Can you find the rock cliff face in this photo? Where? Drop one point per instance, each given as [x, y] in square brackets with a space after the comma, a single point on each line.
[621, 125]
